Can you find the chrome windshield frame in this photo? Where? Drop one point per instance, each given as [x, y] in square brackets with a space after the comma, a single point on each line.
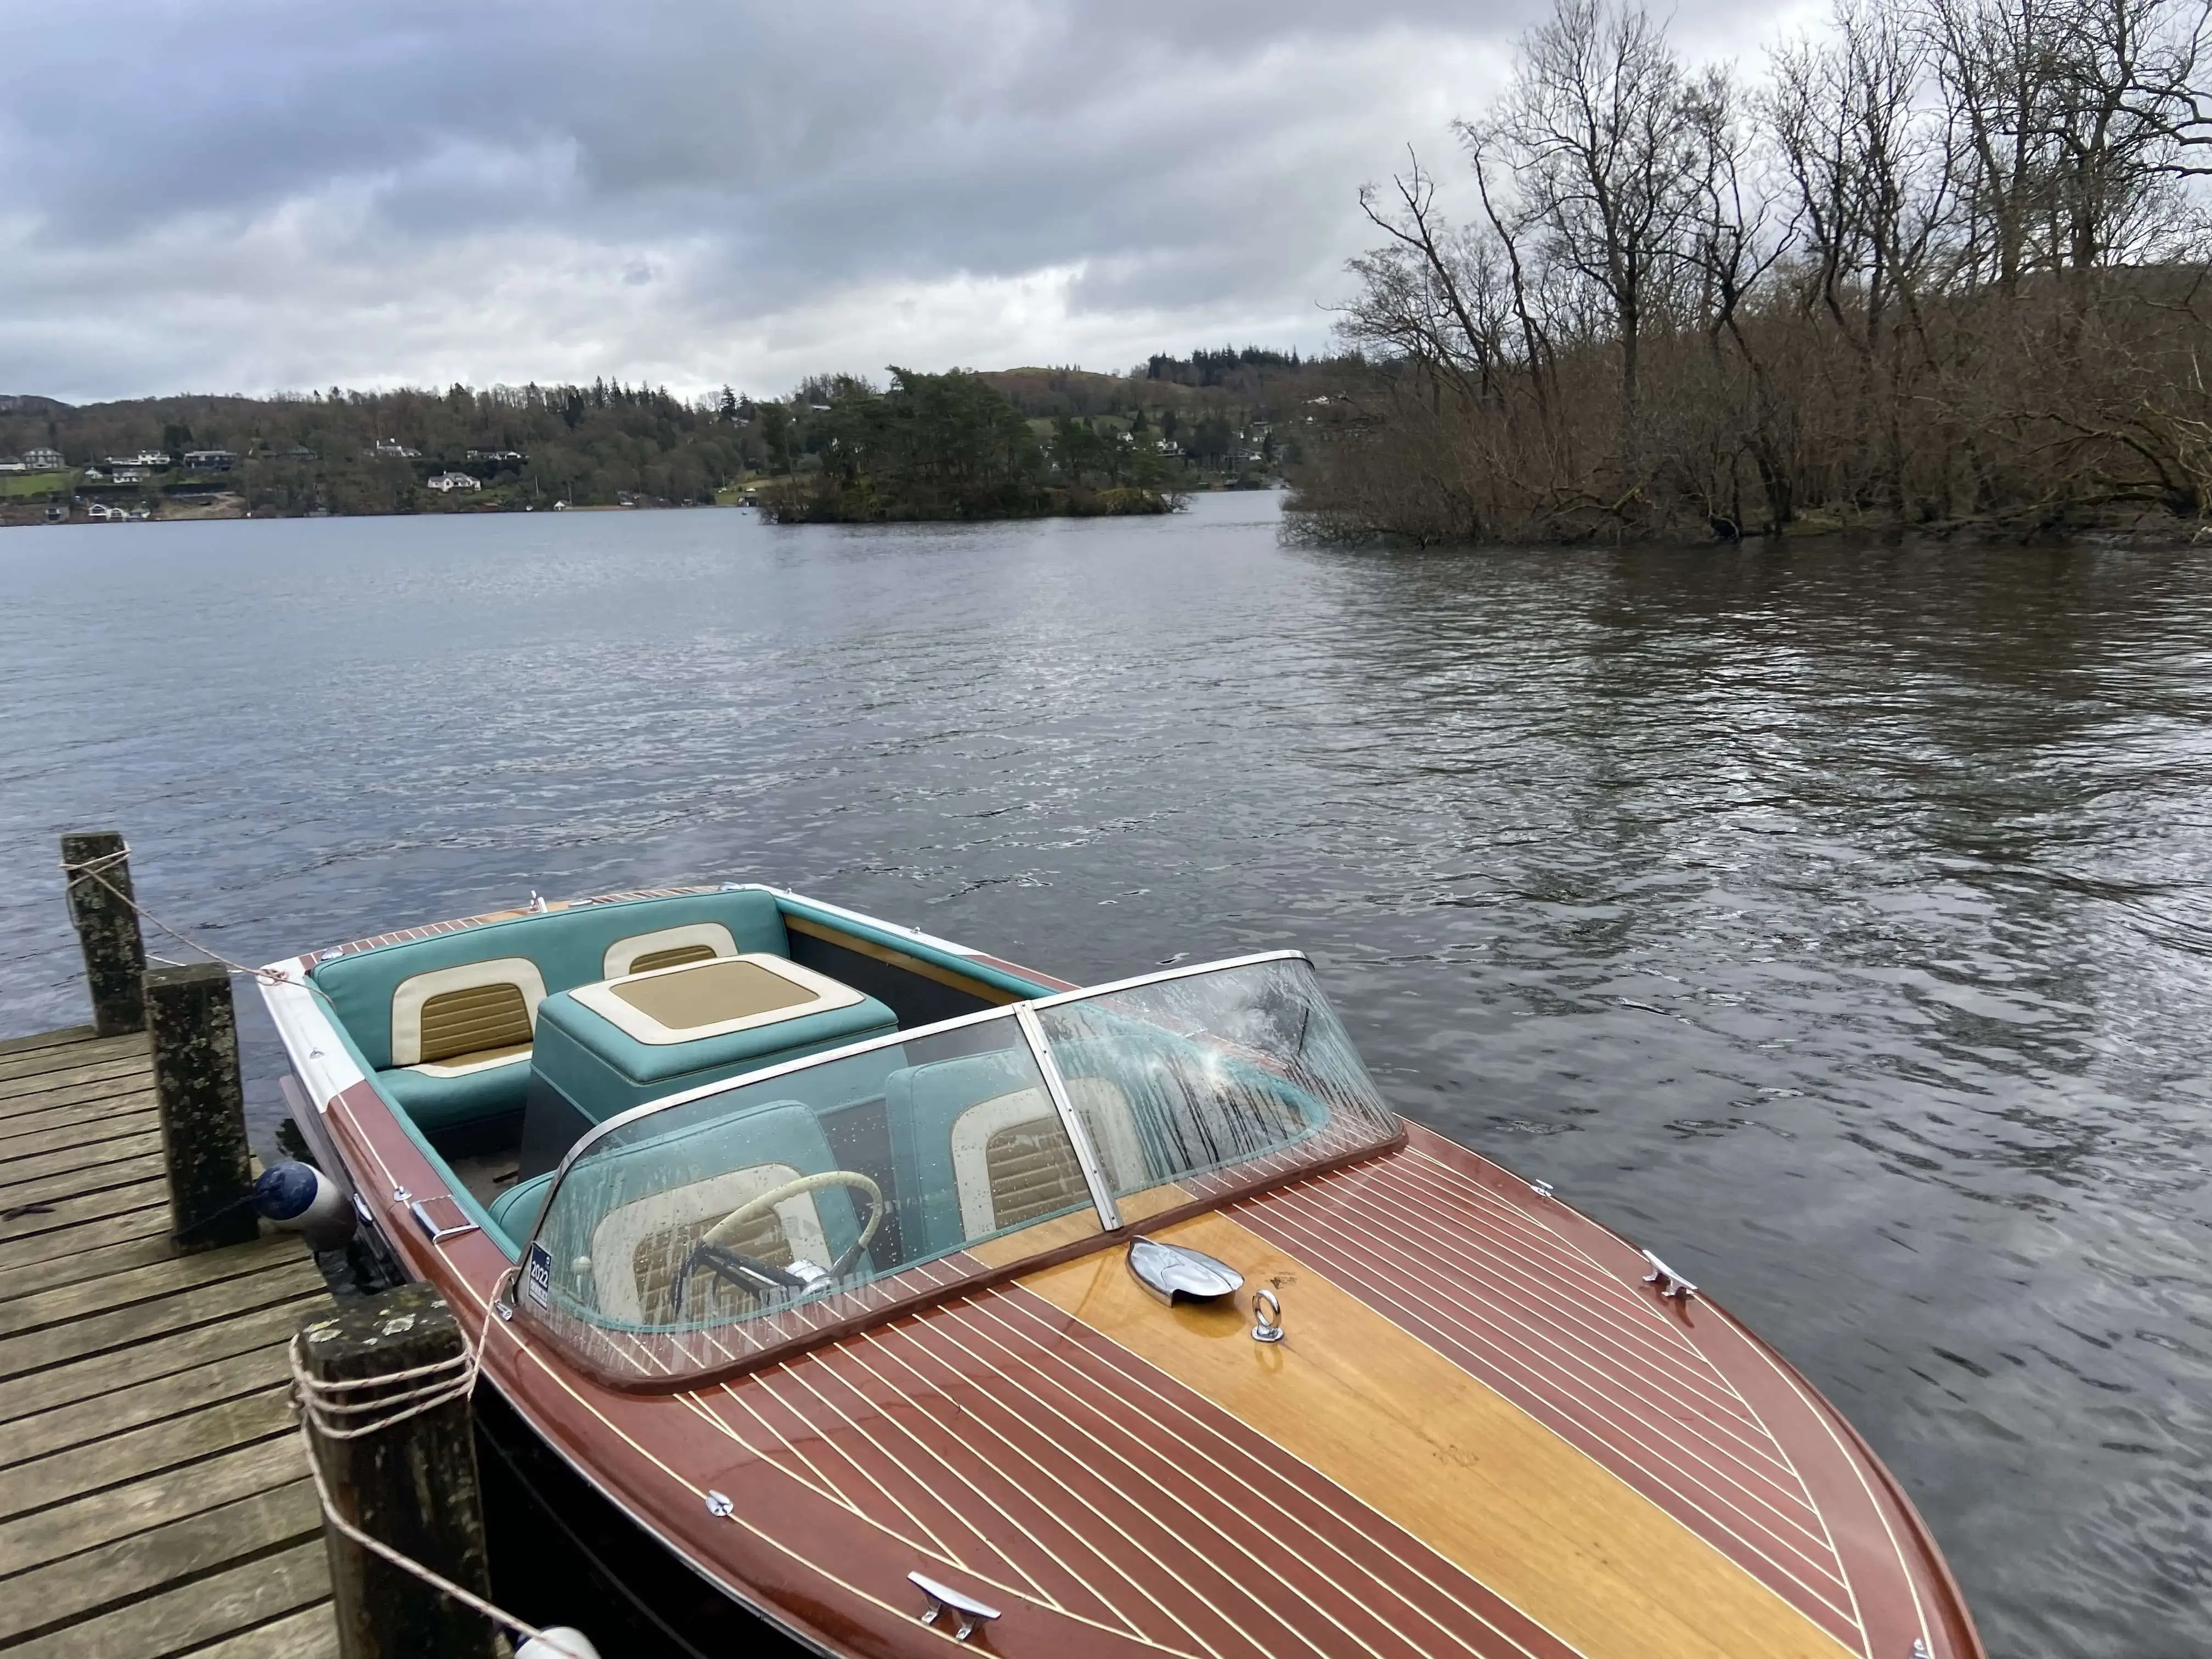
[1078, 1136]
[1023, 1015]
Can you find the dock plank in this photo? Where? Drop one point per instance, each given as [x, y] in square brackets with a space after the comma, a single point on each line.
[60, 1056]
[151, 1401]
[310, 1633]
[183, 1437]
[69, 1160]
[55, 1345]
[180, 1619]
[26, 1087]
[154, 1498]
[74, 1127]
[90, 1261]
[170, 1276]
[27, 1218]
[149, 1218]
[84, 1179]
[76, 1101]
[101, 1518]
[110, 1372]
[98, 1578]
[68, 1036]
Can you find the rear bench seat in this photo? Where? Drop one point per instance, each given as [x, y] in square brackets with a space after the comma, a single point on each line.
[445, 1024]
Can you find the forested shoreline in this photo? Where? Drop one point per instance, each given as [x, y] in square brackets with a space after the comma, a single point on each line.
[1045, 441]
[1941, 267]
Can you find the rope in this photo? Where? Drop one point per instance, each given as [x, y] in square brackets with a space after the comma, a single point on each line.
[94, 870]
[212, 1217]
[326, 1411]
[322, 1406]
[94, 866]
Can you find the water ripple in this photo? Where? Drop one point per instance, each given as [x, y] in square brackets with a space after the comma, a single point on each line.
[1839, 924]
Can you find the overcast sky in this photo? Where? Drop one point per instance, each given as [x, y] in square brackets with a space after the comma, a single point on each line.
[256, 195]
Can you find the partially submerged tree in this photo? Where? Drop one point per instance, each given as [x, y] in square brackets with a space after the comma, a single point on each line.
[1946, 262]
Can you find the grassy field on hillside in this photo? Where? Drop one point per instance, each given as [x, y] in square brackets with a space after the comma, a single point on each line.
[34, 484]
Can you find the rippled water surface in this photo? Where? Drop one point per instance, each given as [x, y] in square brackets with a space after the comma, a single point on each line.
[1834, 922]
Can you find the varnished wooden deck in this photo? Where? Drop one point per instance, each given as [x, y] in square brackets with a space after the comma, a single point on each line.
[154, 1495]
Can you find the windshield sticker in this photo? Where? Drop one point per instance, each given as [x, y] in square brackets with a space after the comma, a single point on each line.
[538, 1276]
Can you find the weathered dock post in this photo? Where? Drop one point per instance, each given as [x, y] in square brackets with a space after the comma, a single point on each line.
[409, 1483]
[97, 863]
[192, 1028]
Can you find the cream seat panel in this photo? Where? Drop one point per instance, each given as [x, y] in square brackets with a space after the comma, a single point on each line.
[636, 1246]
[483, 1060]
[1105, 1113]
[411, 996]
[622, 956]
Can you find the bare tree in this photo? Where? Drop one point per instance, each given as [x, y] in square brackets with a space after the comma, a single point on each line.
[1946, 265]
[1593, 127]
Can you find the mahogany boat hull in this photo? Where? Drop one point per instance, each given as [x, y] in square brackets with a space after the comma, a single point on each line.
[1487, 1431]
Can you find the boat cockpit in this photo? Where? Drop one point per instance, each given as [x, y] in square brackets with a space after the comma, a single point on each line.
[715, 1126]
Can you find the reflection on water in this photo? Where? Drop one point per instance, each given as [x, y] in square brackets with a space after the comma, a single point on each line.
[1834, 922]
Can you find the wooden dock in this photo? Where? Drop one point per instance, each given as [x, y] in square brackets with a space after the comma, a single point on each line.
[154, 1492]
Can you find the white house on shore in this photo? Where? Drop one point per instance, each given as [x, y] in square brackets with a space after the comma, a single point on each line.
[43, 460]
[446, 482]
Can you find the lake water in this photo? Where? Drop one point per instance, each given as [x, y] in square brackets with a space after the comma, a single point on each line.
[1834, 922]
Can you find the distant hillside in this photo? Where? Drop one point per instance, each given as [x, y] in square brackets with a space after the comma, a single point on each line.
[1212, 419]
[354, 452]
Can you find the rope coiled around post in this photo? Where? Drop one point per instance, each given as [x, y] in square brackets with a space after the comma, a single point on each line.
[324, 1409]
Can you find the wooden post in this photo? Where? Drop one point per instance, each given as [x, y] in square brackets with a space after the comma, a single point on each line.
[411, 1485]
[192, 1029]
[107, 928]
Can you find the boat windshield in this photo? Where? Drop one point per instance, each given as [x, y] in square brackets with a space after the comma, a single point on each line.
[713, 1230]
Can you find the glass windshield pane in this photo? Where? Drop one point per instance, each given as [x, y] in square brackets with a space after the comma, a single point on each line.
[1191, 1087]
[715, 1232]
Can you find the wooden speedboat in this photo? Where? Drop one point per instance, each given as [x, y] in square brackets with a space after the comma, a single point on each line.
[906, 1299]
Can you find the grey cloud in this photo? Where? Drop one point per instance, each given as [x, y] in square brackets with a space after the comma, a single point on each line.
[690, 193]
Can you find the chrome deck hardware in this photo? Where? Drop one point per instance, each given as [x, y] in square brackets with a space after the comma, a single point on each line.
[1669, 1282]
[433, 1230]
[1541, 1188]
[942, 1598]
[1266, 1315]
[718, 1506]
[1920, 1648]
[1175, 1273]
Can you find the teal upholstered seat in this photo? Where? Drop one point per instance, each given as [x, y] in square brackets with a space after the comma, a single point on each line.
[568, 948]
[963, 1178]
[439, 1102]
[601, 1070]
[633, 1210]
[515, 1212]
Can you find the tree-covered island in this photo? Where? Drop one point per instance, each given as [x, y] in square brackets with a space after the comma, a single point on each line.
[954, 446]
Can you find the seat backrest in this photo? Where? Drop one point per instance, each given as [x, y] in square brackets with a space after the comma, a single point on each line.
[567, 948]
[978, 1147]
[464, 1010]
[648, 1205]
[667, 947]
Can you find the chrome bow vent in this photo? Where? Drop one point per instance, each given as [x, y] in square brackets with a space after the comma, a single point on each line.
[1175, 1273]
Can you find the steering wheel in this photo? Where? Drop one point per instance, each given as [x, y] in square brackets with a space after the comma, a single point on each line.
[749, 1272]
